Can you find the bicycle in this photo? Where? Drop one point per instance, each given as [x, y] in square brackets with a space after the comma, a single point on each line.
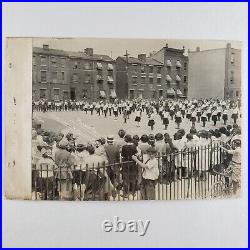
[222, 188]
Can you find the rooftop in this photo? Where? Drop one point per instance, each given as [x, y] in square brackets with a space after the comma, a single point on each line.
[72, 54]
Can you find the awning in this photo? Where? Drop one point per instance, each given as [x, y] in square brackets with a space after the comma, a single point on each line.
[99, 65]
[168, 78]
[102, 94]
[110, 79]
[178, 79]
[170, 92]
[178, 92]
[169, 64]
[178, 64]
[112, 93]
[110, 66]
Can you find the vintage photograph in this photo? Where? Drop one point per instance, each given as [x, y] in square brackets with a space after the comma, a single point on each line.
[135, 119]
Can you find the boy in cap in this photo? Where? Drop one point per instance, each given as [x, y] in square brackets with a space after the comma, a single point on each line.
[150, 174]
[113, 156]
[45, 167]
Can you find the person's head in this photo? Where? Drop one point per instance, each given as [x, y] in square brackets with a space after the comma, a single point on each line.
[144, 138]
[102, 140]
[193, 131]
[121, 133]
[223, 130]
[110, 139]
[97, 144]
[217, 133]
[136, 139]
[177, 136]
[69, 136]
[128, 138]
[151, 139]
[189, 137]
[229, 127]
[151, 152]
[159, 137]
[80, 147]
[236, 142]
[166, 136]
[91, 149]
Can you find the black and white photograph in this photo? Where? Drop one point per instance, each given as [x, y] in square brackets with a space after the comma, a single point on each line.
[135, 119]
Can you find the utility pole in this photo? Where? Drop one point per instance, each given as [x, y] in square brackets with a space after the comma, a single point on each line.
[126, 55]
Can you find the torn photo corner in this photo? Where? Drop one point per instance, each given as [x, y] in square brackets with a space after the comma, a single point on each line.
[101, 119]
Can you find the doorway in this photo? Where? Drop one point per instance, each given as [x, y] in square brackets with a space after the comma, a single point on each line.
[72, 93]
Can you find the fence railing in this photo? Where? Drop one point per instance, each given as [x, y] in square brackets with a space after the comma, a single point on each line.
[187, 174]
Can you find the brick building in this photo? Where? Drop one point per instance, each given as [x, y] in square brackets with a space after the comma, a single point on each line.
[215, 73]
[60, 75]
[163, 74]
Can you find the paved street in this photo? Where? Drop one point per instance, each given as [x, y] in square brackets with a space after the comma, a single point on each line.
[89, 127]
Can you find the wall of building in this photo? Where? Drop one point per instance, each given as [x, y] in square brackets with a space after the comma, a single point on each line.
[121, 78]
[206, 74]
[67, 77]
[233, 73]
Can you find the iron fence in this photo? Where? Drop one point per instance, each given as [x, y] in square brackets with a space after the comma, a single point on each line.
[187, 174]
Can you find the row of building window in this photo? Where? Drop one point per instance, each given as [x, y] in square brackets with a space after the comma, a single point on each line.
[158, 80]
[75, 77]
[151, 69]
[62, 62]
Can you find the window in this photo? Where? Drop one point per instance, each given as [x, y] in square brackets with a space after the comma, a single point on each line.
[185, 79]
[143, 69]
[161, 93]
[151, 69]
[232, 77]
[84, 93]
[232, 60]
[42, 93]
[99, 72]
[43, 76]
[63, 76]
[158, 81]
[134, 81]
[87, 66]
[158, 70]
[151, 80]
[185, 66]
[54, 75]
[34, 60]
[237, 93]
[43, 60]
[153, 94]
[75, 65]
[142, 80]
[75, 77]
[63, 62]
[56, 92]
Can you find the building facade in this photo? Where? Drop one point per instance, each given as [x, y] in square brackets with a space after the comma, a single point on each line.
[215, 73]
[61, 75]
[161, 75]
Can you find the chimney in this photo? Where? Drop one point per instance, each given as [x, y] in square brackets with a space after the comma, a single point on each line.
[198, 49]
[89, 51]
[142, 57]
[228, 45]
[166, 45]
[45, 46]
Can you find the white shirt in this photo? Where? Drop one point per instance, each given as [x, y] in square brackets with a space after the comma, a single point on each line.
[151, 172]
